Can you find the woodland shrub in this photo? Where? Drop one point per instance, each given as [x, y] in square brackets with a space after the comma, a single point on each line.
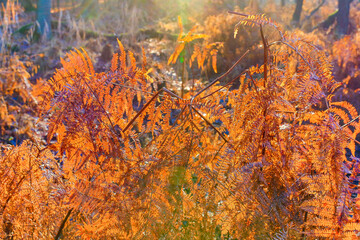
[256, 162]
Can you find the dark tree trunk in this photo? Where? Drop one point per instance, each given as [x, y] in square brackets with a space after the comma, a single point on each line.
[282, 3]
[297, 13]
[44, 17]
[342, 26]
[315, 10]
[329, 21]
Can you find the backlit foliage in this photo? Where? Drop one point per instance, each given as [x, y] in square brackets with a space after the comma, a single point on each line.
[346, 53]
[32, 191]
[15, 90]
[205, 52]
[122, 162]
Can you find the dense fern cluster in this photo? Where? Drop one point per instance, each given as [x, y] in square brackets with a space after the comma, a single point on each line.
[16, 99]
[124, 162]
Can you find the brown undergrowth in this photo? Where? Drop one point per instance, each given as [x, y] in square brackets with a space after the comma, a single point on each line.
[124, 162]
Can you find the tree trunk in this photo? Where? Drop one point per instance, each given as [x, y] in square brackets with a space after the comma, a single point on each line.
[329, 21]
[282, 3]
[342, 26]
[297, 13]
[44, 17]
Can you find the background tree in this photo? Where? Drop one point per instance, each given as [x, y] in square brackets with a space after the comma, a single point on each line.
[297, 14]
[43, 17]
[343, 17]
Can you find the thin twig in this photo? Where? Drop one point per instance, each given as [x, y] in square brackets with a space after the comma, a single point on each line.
[13, 192]
[227, 84]
[147, 104]
[196, 127]
[104, 110]
[63, 224]
[315, 10]
[266, 55]
[221, 77]
[166, 137]
[252, 79]
[296, 51]
[237, 13]
[141, 110]
[129, 87]
[211, 125]
[20, 182]
[350, 122]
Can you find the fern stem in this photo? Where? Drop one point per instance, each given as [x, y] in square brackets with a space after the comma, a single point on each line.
[209, 123]
[105, 112]
[303, 236]
[19, 183]
[294, 49]
[13, 193]
[63, 224]
[183, 76]
[221, 77]
[350, 122]
[252, 79]
[147, 104]
[237, 13]
[266, 55]
[226, 85]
